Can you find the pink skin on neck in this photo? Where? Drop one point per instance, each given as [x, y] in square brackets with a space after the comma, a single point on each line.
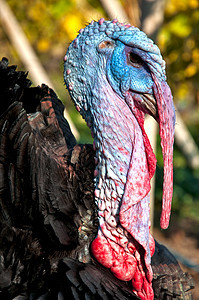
[122, 195]
[124, 245]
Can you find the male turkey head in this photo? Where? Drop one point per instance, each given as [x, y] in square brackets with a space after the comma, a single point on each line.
[115, 75]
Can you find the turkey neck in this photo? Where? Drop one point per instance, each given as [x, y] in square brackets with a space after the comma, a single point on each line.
[113, 127]
[121, 154]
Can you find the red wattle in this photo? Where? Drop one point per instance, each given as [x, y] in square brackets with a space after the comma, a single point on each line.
[122, 264]
[102, 251]
[142, 287]
[148, 290]
[124, 267]
[151, 159]
[137, 281]
[151, 244]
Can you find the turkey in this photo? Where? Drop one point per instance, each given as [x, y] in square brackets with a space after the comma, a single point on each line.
[75, 218]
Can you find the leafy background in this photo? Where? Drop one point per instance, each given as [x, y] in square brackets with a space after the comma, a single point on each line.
[179, 42]
[51, 25]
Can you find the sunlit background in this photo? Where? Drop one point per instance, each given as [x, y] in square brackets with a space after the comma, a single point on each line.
[51, 25]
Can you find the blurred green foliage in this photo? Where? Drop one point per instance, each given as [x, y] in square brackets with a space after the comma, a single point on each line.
[186, 185]
[50, 25]
[179, 44]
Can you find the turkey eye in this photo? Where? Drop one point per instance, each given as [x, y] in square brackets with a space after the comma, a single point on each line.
[106, 44]
[135, 60]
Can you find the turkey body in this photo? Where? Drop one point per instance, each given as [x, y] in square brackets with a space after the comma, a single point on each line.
[48, 216]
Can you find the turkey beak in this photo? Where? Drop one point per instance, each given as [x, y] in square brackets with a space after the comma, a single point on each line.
[150, 105]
